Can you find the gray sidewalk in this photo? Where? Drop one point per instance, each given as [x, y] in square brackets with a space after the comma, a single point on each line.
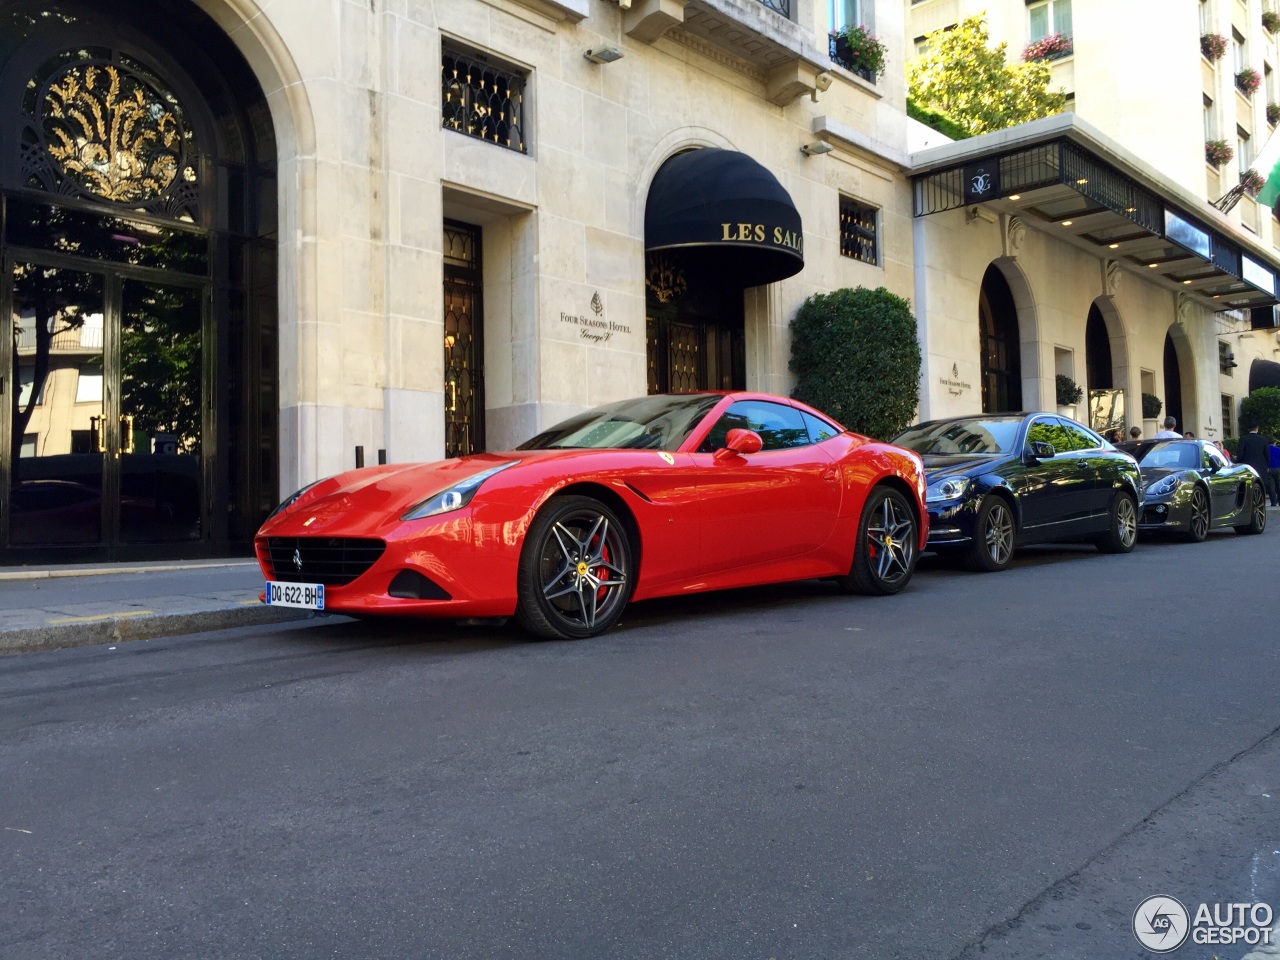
[48, 608]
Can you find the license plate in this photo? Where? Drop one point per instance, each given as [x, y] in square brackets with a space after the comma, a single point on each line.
[307, 596]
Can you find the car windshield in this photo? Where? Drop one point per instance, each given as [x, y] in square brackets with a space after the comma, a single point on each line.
[646, 423]
[959, 437]
[1178, 456]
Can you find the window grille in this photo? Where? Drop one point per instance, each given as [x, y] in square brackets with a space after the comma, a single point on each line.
[483, 100]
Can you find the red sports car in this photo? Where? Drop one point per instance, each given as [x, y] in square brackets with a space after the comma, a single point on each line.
[651, 497]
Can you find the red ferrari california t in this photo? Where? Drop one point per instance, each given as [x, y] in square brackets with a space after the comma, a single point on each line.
[661, 495]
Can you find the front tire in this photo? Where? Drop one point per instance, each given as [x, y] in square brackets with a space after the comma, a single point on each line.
[1122, 529]
[576, 571]
[1198, 525]
[994, 533]
[1257, 512]
[887, 548]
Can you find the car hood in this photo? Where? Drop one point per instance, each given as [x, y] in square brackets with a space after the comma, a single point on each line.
[939, 467]
[1152, 475]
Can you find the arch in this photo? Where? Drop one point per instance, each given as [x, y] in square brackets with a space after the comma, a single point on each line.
[1180, 387]
[1035, 393]
[1107, 359]
[1009, 341]
[207, 276]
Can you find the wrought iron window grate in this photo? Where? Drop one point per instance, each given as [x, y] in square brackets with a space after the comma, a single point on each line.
[482, 100]
[858, 231]
[778, 6]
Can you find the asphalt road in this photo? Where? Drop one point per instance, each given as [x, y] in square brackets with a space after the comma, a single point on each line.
[984, 766]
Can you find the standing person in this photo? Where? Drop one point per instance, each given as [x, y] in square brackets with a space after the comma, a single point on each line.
[1170, 431]
[1135, 434]
[1273, 473]
[1253, 451]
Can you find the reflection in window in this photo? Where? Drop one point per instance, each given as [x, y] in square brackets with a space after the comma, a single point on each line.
[89, 385]
[779, 427]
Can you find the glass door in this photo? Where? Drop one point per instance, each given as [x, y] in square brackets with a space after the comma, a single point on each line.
[57, 412]
[159, 425]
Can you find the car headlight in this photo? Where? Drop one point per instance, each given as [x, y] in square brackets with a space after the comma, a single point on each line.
[455, 497]
[293, 498]
[950, 489]
[1163, 486]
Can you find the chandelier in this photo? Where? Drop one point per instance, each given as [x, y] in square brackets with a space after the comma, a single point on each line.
[665, 278]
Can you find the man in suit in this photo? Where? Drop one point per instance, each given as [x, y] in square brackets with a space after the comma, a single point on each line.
[1253, 451]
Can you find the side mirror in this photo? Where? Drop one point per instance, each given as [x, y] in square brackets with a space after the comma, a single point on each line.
[740, 441]
[1042, 451]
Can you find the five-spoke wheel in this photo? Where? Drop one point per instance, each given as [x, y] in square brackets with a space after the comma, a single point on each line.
[994, 533]
[1122, 530]
[1257, 515]
[576, 572]
[1198, 523]
[888, 543]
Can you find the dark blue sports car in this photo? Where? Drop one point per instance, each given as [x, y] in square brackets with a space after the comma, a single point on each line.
[1000, 481]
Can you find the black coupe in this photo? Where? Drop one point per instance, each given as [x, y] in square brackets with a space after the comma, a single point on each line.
[1000, 481]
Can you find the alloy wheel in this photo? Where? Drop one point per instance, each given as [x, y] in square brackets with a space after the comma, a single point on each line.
[998, 534]
[891, 541]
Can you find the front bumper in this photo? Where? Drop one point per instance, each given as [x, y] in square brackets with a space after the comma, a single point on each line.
[951, 523]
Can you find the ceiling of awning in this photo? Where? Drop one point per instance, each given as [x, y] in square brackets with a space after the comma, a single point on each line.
[721, 211]
[1074, 194]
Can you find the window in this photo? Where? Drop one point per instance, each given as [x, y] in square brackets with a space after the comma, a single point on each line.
[819, 429]
[482, 99]
[858, 231]
[1228, 406]
[1226, 358]
[89, 385]
[1214, 460]
[844, 13]
[1269, 85]
[1239, 51]
[1209, 125]
[779, 426]
[1243, 156]
[922, 45]
[29, 441]
[1049, 17]
[1206, 17]
[1078, 437]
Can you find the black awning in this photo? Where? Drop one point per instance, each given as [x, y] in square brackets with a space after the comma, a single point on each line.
[720, 211]
[1263, 373]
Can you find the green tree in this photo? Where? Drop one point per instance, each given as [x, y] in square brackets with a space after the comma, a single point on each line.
[1263, 408]
[972, 84]
[855, 356]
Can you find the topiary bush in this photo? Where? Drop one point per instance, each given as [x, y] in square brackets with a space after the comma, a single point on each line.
[1151, 406]
[855, 356]
[1069, 392]
[1263, 408]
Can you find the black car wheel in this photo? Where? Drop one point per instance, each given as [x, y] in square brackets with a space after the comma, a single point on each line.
[1122, 530]
[575, 573]
[994, 532]
[884, 556]
[1257, 511]
[1198, 522]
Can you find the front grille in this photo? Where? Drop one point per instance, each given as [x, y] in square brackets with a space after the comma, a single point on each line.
[333, 561]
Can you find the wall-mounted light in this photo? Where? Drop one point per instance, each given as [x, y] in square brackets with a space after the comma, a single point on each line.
[815, 149]
[604, 55]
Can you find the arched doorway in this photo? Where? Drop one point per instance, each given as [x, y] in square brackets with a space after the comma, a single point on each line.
[138, 265]
[1097, 344]
[1001, 347]
[1172, 383]
[716, 222]
[1106, 367]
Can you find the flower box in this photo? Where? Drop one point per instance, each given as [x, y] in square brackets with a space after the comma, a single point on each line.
[1213, 46]
[1248, 81]
[1218, 152]
[857, 49]
[1251, 181]
[1053, 47]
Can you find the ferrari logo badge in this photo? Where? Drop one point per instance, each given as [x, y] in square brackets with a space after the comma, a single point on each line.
[582, 568]
[297, 560]
[668, 458]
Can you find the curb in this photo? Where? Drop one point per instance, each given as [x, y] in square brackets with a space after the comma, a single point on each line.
[118, 629]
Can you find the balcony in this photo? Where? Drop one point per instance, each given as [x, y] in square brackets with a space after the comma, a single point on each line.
[757, 37]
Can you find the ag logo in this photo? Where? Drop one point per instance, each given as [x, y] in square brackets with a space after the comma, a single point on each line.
[1161, 924]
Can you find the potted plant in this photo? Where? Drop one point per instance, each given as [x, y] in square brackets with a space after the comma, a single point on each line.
[1213, 46]
[1273, 113]
[857, 49]
[1052, 47]
[1069, 394]
[1151, 407]
[1251, 181]
[1271, 20]
[1218, 152]
[1248, 81]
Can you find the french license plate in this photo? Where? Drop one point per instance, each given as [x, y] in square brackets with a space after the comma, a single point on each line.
[308, 596]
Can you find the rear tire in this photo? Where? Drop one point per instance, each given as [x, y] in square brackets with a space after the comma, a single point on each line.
[576, 573]
[994, 535]
[1198, 527]
[887, 548]
[1257, 512]
[1122, 529]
